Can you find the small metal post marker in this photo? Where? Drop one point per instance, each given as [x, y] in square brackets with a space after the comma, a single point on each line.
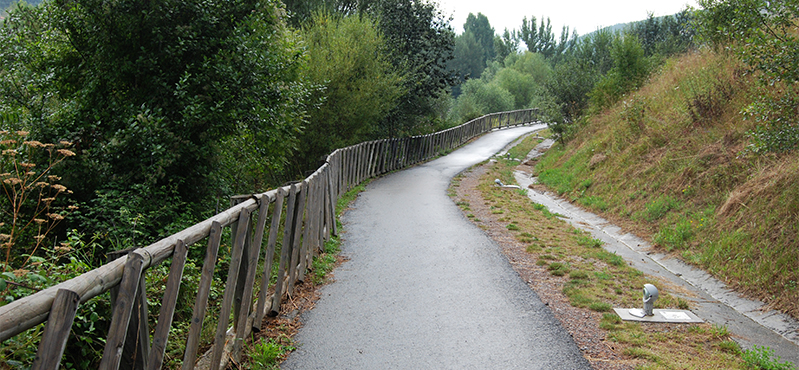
[649, 314]
[650, 296]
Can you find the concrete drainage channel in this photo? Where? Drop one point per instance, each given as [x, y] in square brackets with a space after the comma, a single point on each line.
[750, 322]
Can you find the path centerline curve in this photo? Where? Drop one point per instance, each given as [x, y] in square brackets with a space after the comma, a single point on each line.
[426, 289]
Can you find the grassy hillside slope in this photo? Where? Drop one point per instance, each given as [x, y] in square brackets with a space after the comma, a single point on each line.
[670, 163]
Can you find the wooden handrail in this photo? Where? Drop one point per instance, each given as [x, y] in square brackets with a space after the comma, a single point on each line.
[309, 208]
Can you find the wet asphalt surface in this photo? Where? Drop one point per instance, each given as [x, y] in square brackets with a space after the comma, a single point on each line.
[426, 289]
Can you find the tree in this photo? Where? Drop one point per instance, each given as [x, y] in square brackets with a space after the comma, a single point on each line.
[539, 39]
[480, 98]
[667, 35]
[422, 43]
[483, 33]
[468, 59]
[506, 45]
[764, 34]
[542, 40]
[148, 90]
[520, 85]
[302, 11]
[358, 85]
[630, 69]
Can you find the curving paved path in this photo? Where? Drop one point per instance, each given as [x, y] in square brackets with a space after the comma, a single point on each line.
[426, 289]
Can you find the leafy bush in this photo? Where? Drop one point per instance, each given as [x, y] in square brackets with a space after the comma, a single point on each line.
[349, 61]
[763, 35]
[762, 358]
[630, 70]
[479, 98]
[141, 113]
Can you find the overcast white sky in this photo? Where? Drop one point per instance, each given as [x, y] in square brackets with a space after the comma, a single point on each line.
[584, 15]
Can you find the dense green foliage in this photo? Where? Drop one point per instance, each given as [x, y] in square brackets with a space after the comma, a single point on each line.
[422, 42]
[474, 47]
[357, 84]
[763, 34]
[147, 92]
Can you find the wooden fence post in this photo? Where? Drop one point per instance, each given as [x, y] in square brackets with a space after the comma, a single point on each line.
[201, 302]
[330, 207]
[296, 235]
[230, 289]
[56, 332]
[310, 216]
[131, 289]
[277, 211]
[285, 252]
[168, 303]
[251, 263]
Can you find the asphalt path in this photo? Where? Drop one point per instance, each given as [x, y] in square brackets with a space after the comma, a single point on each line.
[426, 289]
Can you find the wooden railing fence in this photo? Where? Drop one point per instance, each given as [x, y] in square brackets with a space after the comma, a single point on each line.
[303, 213]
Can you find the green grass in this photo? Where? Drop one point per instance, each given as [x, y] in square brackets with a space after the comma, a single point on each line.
[763, 358]
[596, 280]
[681, 176]
[266, 353]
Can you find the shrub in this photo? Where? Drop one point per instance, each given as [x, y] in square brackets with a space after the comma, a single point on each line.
[763, 358]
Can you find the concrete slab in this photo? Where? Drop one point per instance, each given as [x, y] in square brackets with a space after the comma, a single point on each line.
[660, 315]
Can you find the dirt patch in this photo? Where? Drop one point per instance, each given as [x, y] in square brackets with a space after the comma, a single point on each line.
[282, 328]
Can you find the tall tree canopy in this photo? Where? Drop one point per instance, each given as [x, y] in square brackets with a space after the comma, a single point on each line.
[479, 26]
[474, 47]
[147, 90]
[422, 42]
[468, 57]
[357, 84]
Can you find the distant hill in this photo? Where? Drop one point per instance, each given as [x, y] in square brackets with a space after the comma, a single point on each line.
[4, 4]
[622, 26]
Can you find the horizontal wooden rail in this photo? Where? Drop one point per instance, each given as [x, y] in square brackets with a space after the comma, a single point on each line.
[307, 210]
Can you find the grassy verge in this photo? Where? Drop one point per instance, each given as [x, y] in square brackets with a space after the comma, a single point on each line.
[671, 163]
[594, 281]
